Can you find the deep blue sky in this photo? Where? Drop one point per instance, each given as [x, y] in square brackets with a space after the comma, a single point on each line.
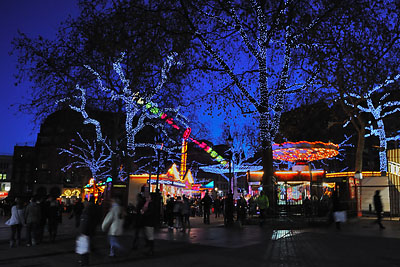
[33, 17]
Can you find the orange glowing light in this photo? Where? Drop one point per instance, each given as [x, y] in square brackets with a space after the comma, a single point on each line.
[304, 151]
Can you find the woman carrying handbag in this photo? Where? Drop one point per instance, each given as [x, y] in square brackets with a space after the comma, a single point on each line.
[16, 222]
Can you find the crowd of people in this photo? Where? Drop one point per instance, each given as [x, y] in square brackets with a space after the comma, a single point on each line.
[149, 212]
[36, 216]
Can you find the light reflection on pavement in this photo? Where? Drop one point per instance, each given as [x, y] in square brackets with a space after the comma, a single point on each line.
[278, 234]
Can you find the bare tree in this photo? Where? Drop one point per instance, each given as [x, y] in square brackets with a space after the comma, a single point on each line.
[265, 39]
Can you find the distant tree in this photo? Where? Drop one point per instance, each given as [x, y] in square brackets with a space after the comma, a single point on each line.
[90, 155]
[147, 31]
[359, 52]
[380, 109]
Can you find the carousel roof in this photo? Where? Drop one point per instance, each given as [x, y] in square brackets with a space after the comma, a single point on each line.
[304, 151]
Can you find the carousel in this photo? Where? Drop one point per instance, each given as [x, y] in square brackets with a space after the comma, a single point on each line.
[301, 182]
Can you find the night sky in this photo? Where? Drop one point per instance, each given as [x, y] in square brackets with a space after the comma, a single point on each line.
[33, 17]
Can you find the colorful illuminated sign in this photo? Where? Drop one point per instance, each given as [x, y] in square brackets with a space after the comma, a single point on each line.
[167, 182]
[152, 107]
[183, 158]
[210, 151]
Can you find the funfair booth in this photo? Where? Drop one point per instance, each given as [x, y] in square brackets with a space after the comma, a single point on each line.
[301, 182]
[293, 186]
[169, 183]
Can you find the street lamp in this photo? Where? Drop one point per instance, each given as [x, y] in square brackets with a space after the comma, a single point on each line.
[229, 140]
[229, 200]
[160, 145]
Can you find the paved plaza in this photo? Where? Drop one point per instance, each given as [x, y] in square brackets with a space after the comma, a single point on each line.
[358, 243]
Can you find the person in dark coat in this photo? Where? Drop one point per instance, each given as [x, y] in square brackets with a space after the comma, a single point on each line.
[54, 218]
[148, 212]
[241, 210]
[32, 218]
[217, 207]
[178, 206]
[76, 213]
[44, 209]
[185, 213]
[206, 202]
[378, 209]
[87, 226]
[228, 210]
[336, 207]
[138, 221]
[169, 212]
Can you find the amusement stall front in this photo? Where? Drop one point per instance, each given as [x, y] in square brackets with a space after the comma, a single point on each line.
[169, 183]
[302, 182]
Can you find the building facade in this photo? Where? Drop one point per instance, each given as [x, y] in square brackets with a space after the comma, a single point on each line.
[5, 175]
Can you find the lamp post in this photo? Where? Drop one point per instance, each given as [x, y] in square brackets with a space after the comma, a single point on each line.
[160, 144]
[229, 140]
[229, 200]
[157, 197]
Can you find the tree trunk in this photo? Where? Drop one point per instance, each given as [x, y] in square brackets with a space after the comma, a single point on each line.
[360, 149]
[267, 182]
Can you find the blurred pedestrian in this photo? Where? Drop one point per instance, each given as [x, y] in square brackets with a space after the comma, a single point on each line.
[307, 207]
[241, 210]
[228, 210]
[138, 219]
[32, 218]
[54, 217]
[252, 206]
[76, 212]
[263, 205]
[178, 212]
[169, 212]
[339, 214]
[114, 224]
[148, 212]
[378, 209]
[87, 229]
[185, 213]
[16, 222]
[206, 202]
[44, 210]
[217, 207]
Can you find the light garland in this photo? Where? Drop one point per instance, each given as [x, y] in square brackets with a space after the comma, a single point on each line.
[89, 156]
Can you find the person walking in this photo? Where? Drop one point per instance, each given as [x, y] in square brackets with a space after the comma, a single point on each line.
[32, 218]
[54, 217]
[178, 213]
[114, 224]
[217, 207]
[76, 212]
[228, 210]
[16, 222]
[44, 210]
[169, 212]
[378, 209]
[241, 210]
[263, 205]
[185, 213]
[138, 219]
[87, 228]
[206, 202]
[148, 212]
[339, 213]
